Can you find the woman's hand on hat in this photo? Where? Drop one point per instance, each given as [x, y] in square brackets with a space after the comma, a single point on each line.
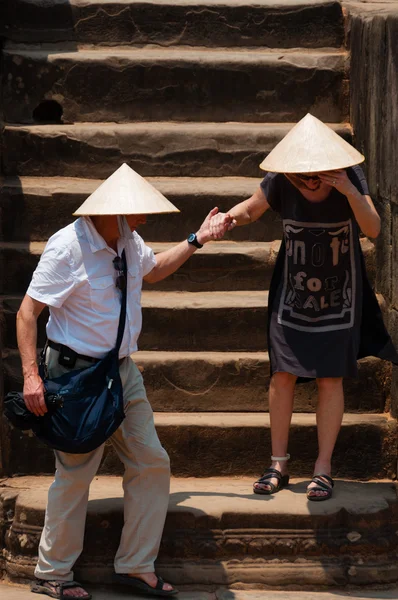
[220, 223]
[338, 179]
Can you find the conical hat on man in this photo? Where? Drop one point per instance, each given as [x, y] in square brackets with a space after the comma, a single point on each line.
[311, 147]
[125, 193]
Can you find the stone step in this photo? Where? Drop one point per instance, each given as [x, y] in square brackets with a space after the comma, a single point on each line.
[180, 83]
[265, 23]
[181, 321]
[235, 444]
[33, 208]
[102, 592]
[218, 266]
[218, 533]
[218, 444]
[229, 382]
[152, 149]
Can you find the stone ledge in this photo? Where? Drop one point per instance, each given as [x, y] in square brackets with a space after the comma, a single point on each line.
[22, 592]
[168, 149]
[33, 208]
[298, 23]
[181, 321]
[218, 266]
[230, 381]
[232, 535]
[198, 444]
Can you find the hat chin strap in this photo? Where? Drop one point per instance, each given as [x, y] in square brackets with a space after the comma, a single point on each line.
[124, 229]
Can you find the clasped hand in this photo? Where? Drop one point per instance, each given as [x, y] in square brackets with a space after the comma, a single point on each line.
[219, 224]
[215, 226]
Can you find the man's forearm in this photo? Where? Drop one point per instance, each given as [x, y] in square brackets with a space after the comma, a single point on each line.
[169, 261]
[27, 342]
[33, 388]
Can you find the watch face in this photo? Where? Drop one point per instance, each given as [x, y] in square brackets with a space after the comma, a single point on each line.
[191, 237]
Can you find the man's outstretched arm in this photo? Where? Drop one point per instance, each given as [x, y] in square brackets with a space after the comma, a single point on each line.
[168, 262]
[33, 388]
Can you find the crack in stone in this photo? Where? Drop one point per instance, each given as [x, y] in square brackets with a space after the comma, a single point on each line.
[101, 11]
[188, 392]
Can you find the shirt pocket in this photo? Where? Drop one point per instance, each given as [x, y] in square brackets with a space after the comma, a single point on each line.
[103, 294]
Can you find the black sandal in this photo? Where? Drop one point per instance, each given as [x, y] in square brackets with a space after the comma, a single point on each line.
[321, 486]
[41, 586]
[141, 587]
[283, 481]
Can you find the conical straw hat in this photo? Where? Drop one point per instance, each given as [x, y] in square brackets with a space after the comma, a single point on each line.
[125, 193]
[310, 147]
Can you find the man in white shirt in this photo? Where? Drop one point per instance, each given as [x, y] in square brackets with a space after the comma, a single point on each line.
[76, 278]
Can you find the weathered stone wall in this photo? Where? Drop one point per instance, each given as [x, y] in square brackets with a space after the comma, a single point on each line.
[374, 117]
[3, 426]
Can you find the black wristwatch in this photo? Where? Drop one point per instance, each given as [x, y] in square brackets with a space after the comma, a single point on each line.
[192, 239]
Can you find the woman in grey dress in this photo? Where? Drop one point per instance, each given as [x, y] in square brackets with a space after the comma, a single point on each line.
[319, 288]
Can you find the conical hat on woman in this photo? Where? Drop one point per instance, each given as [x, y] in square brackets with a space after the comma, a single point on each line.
[311, 147]
[125, 193]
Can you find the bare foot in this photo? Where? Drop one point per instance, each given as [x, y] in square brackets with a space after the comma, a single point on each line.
[151, 579]
[73, 592]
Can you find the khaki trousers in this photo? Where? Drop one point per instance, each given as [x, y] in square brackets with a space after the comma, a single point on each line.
[146, 484]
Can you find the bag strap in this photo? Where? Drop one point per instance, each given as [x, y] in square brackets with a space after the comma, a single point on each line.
[122, 318]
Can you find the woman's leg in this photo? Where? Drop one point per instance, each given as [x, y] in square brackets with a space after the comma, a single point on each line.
[281, 396]
[329, 416]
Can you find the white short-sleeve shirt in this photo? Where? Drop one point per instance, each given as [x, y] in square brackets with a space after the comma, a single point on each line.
[77, 280]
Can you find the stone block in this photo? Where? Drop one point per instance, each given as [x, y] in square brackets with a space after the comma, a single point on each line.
[394, 393]
[200, 23]
[240, 538]
[393, 328]
[219, 266]
[182, 321]
[152, 149]
[4, 445]
[374, 89]
[236, 444]
[394, 256]
[230, 382]
[383, 244]
[35, 208]
[188, 84]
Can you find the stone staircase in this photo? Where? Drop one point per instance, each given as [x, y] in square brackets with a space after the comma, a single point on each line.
[192, 95]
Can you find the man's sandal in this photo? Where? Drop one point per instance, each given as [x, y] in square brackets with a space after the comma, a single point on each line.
[141, 587]
[55, 589]
[271, 473]
[321, 486]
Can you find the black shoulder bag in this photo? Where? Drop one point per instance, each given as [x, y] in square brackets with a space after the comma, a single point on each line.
[85, 405]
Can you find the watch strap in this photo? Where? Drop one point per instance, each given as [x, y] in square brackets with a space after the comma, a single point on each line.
[192, 239]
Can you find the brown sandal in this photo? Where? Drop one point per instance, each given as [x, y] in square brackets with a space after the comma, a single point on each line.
[42, 586]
